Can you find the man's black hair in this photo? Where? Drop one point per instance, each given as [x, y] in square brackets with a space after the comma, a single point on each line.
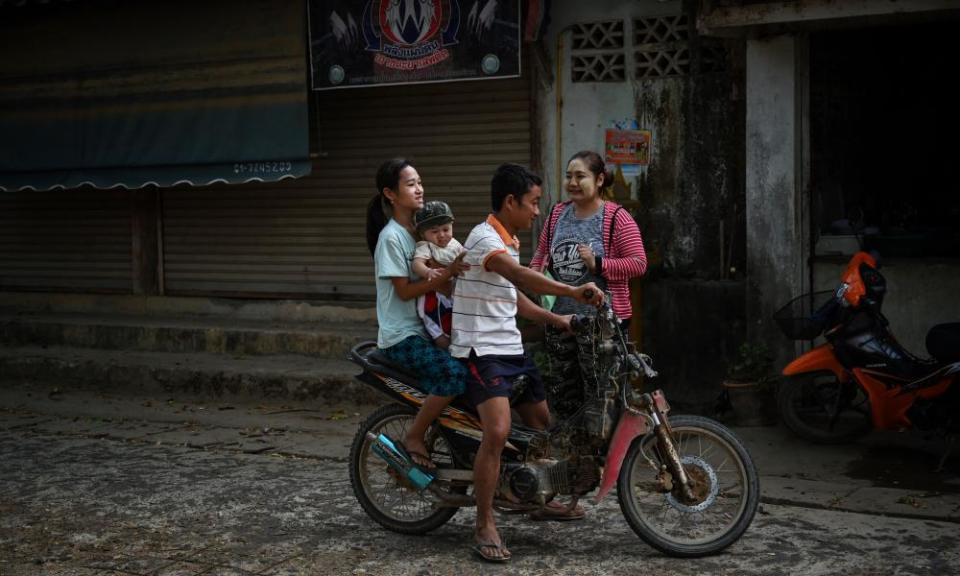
[511, 179]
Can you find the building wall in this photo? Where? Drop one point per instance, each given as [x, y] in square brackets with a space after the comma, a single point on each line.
[693, 180]
[688, 201]
[779, 153]
[774, 181]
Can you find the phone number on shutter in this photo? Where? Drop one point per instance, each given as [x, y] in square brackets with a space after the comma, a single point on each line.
[262, 167]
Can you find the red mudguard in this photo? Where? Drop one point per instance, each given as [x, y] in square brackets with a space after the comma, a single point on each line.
[629, 427]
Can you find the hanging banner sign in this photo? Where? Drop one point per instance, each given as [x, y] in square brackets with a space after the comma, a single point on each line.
[378, 42]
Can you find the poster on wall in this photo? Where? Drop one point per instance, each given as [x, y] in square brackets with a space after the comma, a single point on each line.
[627, 148]
[383, 42]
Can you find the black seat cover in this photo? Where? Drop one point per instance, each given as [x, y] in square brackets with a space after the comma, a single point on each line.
[943, 342]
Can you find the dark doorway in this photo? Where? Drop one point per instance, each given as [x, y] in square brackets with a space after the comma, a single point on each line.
[884, 125]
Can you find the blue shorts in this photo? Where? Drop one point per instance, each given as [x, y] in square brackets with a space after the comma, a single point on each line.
[492, 376]
[439, 373]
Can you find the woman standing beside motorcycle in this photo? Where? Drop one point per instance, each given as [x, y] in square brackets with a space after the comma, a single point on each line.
[401, 336]
[590, 238]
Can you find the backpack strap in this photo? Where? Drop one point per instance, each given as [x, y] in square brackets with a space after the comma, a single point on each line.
[552, 223]
[613, 222]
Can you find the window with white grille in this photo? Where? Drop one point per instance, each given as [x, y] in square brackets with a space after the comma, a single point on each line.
[597, 52]
[664, 47]
[599, 68]
[598, 35]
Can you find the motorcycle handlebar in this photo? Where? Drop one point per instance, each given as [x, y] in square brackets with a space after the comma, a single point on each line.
[578, 322]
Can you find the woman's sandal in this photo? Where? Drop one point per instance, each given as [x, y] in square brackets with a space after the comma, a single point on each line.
[482, 549]
[419, 459]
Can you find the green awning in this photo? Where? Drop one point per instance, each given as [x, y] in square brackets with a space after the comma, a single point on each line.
[162, 176]
[135, 94]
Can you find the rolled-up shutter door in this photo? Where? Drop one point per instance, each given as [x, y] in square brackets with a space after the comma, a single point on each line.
[77, 240]
[307, 237]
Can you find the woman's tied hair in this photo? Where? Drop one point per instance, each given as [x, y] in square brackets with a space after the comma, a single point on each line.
[388, 176]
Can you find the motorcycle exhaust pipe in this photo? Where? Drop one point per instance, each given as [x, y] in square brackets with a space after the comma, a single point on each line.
[396, 458]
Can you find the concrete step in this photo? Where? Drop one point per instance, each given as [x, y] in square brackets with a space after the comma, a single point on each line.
[214, 335]
[178, 374]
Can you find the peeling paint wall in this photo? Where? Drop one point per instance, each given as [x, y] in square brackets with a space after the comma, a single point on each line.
[688, 201]
[694, 178]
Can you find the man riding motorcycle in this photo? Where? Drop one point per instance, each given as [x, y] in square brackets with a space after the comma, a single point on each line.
[486, 300]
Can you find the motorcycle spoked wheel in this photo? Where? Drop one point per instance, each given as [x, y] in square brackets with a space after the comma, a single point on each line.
[725, 483]
[383, 496]
[818, 407]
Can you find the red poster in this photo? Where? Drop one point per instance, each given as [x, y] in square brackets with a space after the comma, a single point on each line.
[626, 147]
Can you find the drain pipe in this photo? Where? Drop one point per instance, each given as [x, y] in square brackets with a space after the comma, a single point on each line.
[558, 129]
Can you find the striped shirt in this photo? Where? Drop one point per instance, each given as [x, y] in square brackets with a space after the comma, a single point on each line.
[484, 302]
[623, 257]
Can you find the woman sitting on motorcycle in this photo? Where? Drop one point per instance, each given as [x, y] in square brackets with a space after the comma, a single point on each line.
[401, 335]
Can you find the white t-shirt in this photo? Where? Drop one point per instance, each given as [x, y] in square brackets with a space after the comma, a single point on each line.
[443, 256]
[484, 302]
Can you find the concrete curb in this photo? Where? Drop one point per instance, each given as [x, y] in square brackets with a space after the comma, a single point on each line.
[843, 497]
[182, 335]
[187, 375]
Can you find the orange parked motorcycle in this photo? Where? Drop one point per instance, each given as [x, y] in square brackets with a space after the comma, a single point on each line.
[861, 377]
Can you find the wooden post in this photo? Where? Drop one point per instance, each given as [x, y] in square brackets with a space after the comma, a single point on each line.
[144, 245]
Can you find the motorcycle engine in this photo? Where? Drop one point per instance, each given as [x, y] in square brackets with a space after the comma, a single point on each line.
[540, 480]
[532, 482]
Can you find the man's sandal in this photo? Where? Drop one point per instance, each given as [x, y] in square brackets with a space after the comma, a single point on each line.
[558, 513]
[483, 549]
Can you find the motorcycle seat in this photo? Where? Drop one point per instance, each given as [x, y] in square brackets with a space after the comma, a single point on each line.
[943, 342]
[385, 364]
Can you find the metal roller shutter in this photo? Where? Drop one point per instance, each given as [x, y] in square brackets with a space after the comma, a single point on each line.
[77, 240]
[306, 237]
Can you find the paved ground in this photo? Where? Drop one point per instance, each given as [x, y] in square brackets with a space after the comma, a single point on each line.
[95, 484]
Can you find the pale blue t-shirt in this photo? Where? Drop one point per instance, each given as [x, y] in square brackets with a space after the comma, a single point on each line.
[392, 259]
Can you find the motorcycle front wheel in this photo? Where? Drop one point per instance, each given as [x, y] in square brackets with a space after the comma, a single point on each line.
[724, 482]
[382, 494]
[819, 408]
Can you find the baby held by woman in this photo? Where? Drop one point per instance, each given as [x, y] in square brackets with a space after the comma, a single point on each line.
[435, 251]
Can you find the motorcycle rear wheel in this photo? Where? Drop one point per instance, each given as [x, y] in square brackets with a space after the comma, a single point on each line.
[819, 408]
[387, 500]
[724, 479]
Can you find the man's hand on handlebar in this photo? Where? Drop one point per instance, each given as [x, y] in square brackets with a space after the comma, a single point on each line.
[589, 293]
[562, 322]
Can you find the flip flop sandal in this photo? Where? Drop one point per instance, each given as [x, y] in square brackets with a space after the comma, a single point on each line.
[558, 514]
[414, 455]
[482, 550]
